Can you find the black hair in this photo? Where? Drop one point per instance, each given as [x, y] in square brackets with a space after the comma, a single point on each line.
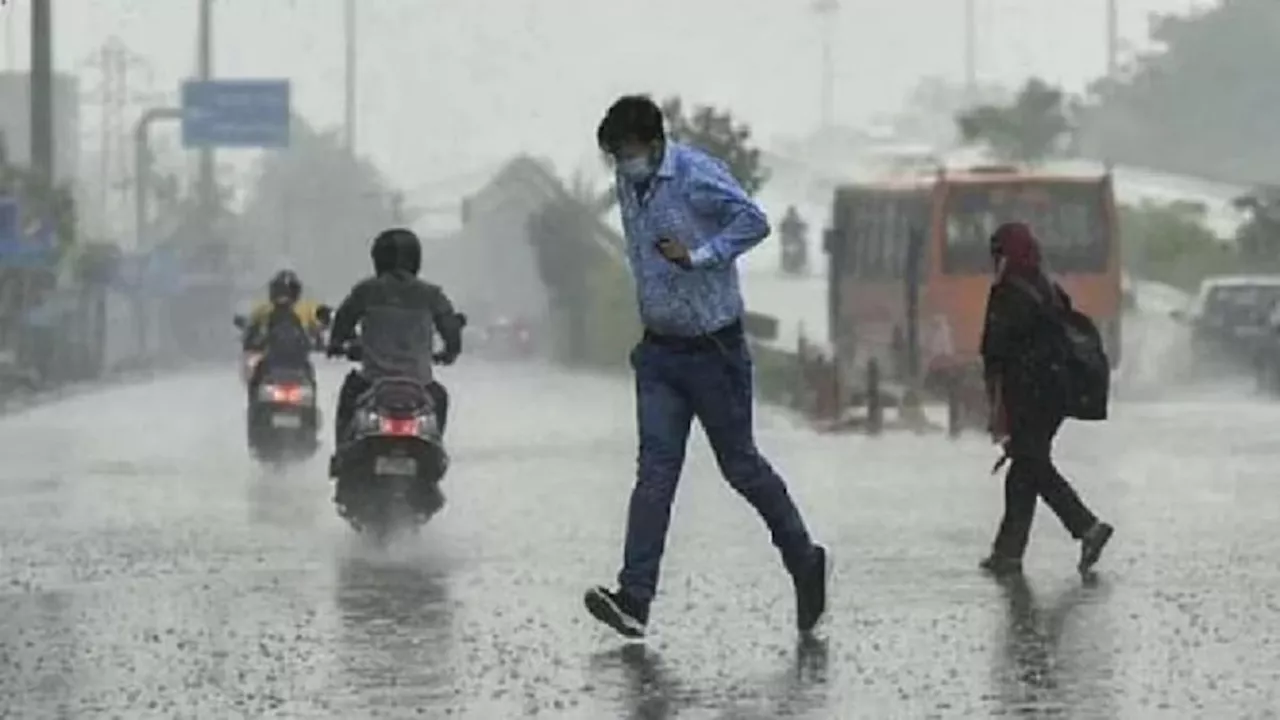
[631, 117]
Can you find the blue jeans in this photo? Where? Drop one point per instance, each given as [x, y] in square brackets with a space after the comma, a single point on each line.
[672, 387]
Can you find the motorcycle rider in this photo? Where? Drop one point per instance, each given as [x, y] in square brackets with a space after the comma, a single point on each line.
[397, 313]
[284, 328]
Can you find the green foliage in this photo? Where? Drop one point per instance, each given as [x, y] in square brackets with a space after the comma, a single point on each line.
[1031, 128]
[611, 323]
[1171, 244]
[718, 134]
[1204, 103]
[591, 297]
[1259, 238]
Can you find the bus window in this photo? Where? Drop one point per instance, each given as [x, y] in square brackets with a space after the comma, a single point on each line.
[1068, 218]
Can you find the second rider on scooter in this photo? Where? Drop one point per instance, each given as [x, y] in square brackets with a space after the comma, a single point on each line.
[398, 314]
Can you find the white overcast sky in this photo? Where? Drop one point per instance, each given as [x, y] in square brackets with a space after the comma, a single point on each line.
[450, 86]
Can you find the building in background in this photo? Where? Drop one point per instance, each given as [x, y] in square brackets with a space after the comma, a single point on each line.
[15, 122]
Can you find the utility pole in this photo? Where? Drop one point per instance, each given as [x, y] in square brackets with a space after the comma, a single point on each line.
[10, 42]
[971, 49]
[349, 31]
[41, 89]
[827, 10]
[1113, 38]
[206, 184]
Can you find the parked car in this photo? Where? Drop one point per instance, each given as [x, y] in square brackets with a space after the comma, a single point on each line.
[1231, 318]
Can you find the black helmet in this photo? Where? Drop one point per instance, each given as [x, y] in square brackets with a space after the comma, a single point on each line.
[284, 285]
[408, 252]
[397, 249]
[384, 253]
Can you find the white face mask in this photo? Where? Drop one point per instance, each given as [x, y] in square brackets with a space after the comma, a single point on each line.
[636, 169]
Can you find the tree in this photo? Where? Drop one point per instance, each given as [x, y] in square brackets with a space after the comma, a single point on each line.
[717, 133]
[1204, 103]
[1259, 238]
[315, 207]
[1030, 129]
[928, 113]
[1171, 243]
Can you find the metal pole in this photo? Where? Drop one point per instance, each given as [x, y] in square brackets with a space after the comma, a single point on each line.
[971, 48]
[826, 11]
[41, 89]
[1113, 38]
[349, 29]
[206, 183]
[11, 45]
[142, 169]
[104, 150]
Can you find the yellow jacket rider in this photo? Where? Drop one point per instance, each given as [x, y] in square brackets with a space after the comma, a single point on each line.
[283, 293]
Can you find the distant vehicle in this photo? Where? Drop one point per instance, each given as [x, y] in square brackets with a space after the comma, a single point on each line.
[1231, 316]
[507, 338]
[910, 258]
[1235, 321]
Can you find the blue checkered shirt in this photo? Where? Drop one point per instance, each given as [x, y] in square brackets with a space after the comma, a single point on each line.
[693, 199]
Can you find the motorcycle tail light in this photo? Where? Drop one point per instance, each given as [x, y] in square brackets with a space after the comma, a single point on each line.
[400, 427]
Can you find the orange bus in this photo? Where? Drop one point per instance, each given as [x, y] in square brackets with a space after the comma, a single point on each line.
[910, 266]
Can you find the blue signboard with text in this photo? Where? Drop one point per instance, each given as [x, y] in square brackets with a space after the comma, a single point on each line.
[235, 113]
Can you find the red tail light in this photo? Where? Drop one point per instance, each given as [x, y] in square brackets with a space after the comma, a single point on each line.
[287, 394]
[401, 427]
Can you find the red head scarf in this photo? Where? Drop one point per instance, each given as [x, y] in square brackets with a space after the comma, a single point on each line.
[1018, 246]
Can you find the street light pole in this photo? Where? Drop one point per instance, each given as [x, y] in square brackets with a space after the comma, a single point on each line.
[206, 187]
[971, 48]
[349, 30]
[1113, 38]
[41, 90]
[826, 10]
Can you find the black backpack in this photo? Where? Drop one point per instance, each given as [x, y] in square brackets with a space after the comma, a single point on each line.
[1082, 368]
[287, 341]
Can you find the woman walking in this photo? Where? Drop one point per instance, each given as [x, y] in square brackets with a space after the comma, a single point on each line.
[1027, 403]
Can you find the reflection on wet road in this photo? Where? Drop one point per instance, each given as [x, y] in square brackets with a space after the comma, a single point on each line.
[150, 569]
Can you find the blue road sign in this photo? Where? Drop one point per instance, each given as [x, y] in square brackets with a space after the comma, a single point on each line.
[235, 113]
[20, 247]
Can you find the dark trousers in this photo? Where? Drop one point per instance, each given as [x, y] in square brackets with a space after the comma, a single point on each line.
[674, 384]
[1032, 474]
[356, 384]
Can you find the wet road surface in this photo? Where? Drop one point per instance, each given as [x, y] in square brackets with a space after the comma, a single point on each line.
[150, 569]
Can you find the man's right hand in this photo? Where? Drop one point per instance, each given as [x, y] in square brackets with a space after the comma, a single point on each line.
[444, 358]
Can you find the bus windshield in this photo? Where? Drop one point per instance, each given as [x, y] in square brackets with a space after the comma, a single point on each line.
[1069, 219]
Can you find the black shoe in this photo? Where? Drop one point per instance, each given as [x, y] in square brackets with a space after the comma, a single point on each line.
[618, 610]
[1092, 543]
[811, 591]
[1001, 565]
